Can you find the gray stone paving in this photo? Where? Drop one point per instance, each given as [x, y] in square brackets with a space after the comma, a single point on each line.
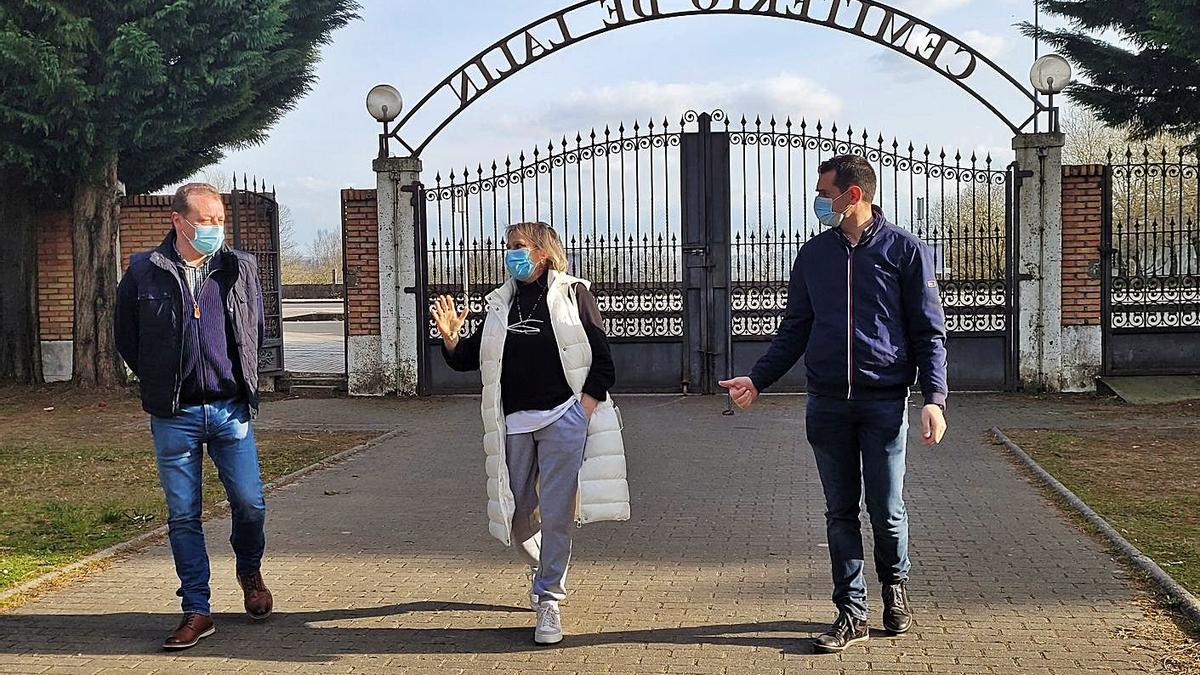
[383, 564]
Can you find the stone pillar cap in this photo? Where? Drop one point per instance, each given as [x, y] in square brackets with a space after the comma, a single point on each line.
[1048, 139]
[389, 164]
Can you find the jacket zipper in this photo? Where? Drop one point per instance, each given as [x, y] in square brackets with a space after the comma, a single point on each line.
[178, 376]
[502, 424]
[199, 342]
[175, 407]
[850, 323]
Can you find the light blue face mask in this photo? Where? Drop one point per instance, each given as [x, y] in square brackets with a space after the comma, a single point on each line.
[519, 264]
[208, 238]
[823, 207]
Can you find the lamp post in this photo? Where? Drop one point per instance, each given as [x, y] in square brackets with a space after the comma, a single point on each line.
[1050, 75]
[384, 103]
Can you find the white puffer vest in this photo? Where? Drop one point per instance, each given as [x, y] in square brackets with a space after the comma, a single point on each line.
[603, 490]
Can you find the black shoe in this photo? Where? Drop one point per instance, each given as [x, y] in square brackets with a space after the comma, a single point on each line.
[897, 618]
[844, 632]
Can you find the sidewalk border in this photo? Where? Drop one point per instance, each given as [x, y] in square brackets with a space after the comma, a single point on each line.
[146, 538]
[1187, 602]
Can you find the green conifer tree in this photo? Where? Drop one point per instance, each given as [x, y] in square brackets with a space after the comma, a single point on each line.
[96, 93]
[1148, 80]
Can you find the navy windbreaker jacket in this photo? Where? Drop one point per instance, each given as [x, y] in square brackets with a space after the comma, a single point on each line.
[867, 318]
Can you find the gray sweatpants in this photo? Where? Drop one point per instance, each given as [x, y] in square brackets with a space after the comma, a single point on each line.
[543, 469]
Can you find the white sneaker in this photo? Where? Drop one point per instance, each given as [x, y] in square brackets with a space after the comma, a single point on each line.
[534, 599]
[549, 624]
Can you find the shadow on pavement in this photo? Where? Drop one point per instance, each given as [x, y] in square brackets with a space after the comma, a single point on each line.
[296, 637]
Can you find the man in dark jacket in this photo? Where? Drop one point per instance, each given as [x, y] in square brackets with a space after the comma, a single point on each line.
[864, 311]
[189, 323]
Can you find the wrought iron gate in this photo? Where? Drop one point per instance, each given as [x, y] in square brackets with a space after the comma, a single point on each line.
[255, 217]
[962, 207]
[1151, 264]
[688, 231]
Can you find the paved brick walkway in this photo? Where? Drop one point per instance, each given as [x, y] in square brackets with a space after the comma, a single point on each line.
[383, 564]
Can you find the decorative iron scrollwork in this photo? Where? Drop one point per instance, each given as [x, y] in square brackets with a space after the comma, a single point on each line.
[956, 204]
[606, 181]
[1154, 278]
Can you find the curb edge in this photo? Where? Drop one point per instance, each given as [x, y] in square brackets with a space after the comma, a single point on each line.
[1188, 603]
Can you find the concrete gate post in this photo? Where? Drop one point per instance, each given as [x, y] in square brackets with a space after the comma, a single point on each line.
[1039, 261]
[389, 364]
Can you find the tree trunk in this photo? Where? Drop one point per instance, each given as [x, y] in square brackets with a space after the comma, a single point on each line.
[21, 354]
[97, 209]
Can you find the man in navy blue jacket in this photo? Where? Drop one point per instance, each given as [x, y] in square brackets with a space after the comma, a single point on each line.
[864, 312]
[189, 323]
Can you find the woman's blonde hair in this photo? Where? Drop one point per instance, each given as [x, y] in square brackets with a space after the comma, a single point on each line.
[541, 236]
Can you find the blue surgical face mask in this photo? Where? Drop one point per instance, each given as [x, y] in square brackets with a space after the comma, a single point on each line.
[207, 239]
[823, 207]
[519, 264]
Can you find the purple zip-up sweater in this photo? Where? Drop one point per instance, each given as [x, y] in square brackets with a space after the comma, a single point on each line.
[208, 359]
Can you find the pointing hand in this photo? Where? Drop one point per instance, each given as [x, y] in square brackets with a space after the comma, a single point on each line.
[742, 391]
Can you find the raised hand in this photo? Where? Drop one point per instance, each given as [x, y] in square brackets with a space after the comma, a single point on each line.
[449, 320]
[742, 391]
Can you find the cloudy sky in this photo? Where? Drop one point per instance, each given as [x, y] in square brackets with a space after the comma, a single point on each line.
[743, 65]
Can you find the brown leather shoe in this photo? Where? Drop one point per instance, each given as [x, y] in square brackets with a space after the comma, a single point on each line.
[192, 629]
[258, 600]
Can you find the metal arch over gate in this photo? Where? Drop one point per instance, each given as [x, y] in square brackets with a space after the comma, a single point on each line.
[688, 231]
[873, 20]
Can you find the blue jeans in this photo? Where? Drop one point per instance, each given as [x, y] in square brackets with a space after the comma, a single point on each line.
[860, 444]
[224, 426]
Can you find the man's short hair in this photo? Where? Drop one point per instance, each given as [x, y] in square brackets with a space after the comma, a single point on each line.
[851, 170]
[180, 203]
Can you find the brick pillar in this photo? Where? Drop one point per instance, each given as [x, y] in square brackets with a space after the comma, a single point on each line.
[360, 241]
[1082, 224]
[56, 294]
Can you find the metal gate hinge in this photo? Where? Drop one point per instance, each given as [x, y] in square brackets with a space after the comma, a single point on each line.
[1021, 174]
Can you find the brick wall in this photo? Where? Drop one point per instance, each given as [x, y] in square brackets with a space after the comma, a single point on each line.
[254, 218]
[145, 220]
[360, 236]
[1082, 213]
[56, 285]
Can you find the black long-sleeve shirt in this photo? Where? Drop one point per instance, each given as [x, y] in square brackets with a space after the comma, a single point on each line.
[533, 377]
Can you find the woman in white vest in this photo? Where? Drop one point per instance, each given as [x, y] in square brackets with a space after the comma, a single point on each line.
[552, 436]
